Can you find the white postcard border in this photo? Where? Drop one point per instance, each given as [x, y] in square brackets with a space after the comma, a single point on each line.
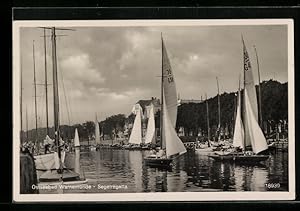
[170, 196]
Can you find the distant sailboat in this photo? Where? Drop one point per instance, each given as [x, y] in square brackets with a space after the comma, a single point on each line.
[238, 135]
[97, 132]
[76, 139]
[136, 132]
[96, 145]
[251, 135]
[150, 134]
[171, 145]
[204, 149]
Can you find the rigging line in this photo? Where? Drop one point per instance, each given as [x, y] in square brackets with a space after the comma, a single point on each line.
[70, 108]
[64, 91]
[70, 113]
[65, 96]
[42, 114]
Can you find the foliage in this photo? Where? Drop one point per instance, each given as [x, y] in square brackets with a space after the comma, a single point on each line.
[192, 116]
[113, 124]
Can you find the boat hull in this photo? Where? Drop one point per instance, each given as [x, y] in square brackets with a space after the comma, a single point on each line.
[207, 150]
[54, 176]
[238, 158]
[158, 162]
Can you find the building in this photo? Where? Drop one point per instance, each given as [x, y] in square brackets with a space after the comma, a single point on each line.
[146, 106]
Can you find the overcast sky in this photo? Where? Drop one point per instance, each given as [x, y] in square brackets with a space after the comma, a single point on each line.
[108, 69]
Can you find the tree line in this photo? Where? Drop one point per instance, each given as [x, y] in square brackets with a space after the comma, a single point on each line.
[193, 116]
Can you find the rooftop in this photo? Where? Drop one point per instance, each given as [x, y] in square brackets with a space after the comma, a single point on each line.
[144, 103]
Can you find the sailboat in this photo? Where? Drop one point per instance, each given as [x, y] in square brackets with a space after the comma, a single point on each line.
[135, 138]
[150, 133]
[238, 135]
[96, 146]
[170, 144]
[60, 173]
[76, 139]
[247, 132]
[203, 148]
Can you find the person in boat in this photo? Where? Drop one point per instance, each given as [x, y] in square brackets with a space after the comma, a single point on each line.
[48, 142]
[161, 153]
[158, 153]
[152, 152]
[58, 162]
[249, 153]
[238, 149]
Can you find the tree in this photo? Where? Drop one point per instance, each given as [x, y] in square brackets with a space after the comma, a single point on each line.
[114, 123]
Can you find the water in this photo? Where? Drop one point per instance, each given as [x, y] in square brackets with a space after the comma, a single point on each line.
[114, 171]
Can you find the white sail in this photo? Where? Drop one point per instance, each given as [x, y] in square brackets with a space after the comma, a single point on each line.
[238, 136]
[136, 133]
[174, 145]
[169, 91]
[169, 86]
[97, 132]
[250, 87]
[77, 161]
[45, 162]
[76, 139]
[257, 138]
[150, 134]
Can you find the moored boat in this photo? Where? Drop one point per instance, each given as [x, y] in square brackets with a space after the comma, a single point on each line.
[170, 144]
[247, 130]
[60, 172]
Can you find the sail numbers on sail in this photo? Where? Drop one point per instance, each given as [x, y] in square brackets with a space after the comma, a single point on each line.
[169, 76]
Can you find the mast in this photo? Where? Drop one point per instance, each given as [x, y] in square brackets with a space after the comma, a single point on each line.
[26, 124]
[219, 112]
[161, 95]
[259, 90]
[207, 119]
[35, 103]
[235, 107]
[244, 111]
[55, 94]
[21, 105]
[46, 83]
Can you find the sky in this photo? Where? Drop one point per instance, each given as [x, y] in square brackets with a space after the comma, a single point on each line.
[106, 70]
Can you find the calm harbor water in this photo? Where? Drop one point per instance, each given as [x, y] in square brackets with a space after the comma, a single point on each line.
[113, 171]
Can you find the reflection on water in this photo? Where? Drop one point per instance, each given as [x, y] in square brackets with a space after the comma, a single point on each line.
[191, 172]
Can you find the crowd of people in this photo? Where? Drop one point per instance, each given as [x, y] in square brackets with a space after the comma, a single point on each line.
[48, 146]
